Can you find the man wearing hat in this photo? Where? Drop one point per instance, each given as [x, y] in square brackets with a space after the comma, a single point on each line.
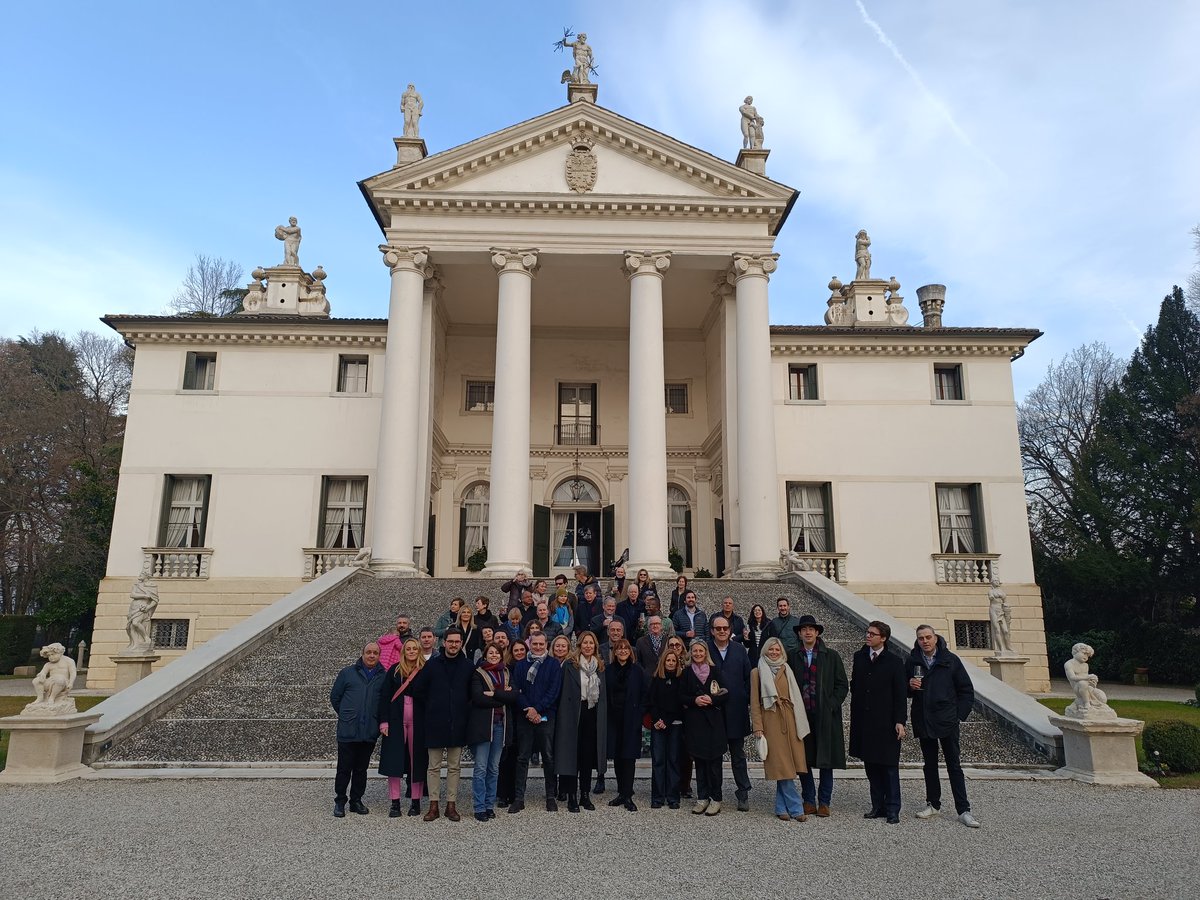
[823, 687]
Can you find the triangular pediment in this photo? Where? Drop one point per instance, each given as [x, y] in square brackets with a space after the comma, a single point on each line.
[531, 159]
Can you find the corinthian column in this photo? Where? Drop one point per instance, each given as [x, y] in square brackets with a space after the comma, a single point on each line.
[647, 515]
[758, 488]
[509, 506]
[391, 533]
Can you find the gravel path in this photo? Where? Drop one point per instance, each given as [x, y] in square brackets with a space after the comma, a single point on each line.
[268, 839]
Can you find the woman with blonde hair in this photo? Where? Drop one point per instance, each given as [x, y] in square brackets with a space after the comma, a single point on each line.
[403, 749]
[664, 709]
[580, 729]
[777, 713]
[704, 698]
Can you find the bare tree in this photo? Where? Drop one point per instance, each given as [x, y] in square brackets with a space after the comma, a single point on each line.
[1056, 422]
[1193, 286]
[211, 287]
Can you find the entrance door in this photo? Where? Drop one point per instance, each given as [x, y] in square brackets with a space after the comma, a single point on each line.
[577, 528]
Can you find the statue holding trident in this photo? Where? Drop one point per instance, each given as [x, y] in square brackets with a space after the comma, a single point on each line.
[583, 58]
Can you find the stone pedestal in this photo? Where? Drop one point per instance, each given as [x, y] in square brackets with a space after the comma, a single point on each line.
[1102, 751]
[133, 668]
[585, 93]
[1009, 669]
[409, 150]
[754, 161]
[45, 749]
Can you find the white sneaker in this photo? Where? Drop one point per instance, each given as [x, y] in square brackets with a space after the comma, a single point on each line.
[700, 807]
[969, 820]
[928, 812]
[713, 808]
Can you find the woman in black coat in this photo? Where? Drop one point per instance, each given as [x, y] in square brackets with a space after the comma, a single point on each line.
[664, 708]
[581, 726]
[704, 697]
[624, 682]
[403, 751]
[756, 626]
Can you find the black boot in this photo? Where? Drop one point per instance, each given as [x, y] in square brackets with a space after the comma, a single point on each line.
[414, 808]
[572, 803]
[586, 802]
[394, 811]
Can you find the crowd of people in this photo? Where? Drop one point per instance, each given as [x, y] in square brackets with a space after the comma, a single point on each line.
[570, 676]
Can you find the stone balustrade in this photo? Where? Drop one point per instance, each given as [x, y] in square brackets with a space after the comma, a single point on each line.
[175, 562]
[831, 565]
[965, 568]
[319, 560]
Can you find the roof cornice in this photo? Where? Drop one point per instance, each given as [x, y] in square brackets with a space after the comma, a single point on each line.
[275, 330]
[796, 340]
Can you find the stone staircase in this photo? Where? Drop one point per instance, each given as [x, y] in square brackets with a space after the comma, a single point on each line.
[273, 705]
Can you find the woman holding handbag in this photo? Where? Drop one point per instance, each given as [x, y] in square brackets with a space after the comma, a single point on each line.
[704, 698]
[403, 749]
[777, 714]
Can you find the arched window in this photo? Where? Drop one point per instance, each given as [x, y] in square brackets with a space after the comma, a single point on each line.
[473, 521]
[576, 491]
[679, 523]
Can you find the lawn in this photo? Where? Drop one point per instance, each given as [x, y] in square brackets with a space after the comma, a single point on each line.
[10, 706]
[1147, 711]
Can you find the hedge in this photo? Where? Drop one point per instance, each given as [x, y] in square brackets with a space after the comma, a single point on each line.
[17, 634]
[1177, 744]
[1171, 653]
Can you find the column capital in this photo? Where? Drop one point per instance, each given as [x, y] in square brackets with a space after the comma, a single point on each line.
[433, 281]
[646, 262]
[506, 259]
[752, 264]
[406, 259]
[723, 287]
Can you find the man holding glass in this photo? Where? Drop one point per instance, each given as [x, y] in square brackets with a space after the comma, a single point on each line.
[942, 696]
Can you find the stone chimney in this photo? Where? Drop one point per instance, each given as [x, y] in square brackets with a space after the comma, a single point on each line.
[932, 298]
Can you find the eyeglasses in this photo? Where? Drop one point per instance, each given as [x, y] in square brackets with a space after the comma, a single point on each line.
[720, 628]
[871, 633]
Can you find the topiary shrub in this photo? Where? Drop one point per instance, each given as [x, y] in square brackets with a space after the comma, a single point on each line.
[477, 560]
[1177, 744]
[703, 573]
[17, 634]
[675, 558]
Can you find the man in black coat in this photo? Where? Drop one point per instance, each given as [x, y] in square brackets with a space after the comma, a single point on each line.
[355, 698]
[734, 662]
[942, 696]
[878, 711]
[443, 689]
[737, 625]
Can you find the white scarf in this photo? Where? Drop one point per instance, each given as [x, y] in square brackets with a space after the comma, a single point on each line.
[591, 681]
[769, 693]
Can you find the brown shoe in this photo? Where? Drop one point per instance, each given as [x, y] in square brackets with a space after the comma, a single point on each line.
[452, 812]
[432, 812]
[809, 808]
[799, 818]
[822, 811]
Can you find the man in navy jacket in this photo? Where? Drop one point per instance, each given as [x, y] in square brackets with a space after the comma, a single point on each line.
[355, 699]
[538, 680]
[734, 662]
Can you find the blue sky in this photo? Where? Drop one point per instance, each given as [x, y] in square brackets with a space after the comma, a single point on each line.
[1038, 158]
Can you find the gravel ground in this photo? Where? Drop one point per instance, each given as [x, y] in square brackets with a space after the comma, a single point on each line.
[268, 839]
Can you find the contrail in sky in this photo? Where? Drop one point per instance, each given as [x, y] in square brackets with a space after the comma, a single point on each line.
[930, 95]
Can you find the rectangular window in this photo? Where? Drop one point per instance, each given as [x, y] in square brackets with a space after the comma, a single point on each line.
[185, 511]
[577, 415]
[959, 519]
[948, 382]
[677, 399]
[802, 382]
[973, 634]
[200, 372]
[343, 512]
[481, 396]
[171, 634]
[352, 375]
[810, 525]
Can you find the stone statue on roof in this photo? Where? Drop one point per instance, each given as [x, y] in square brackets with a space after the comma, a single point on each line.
[752, 126]
[584, 62]
[413, 107]
[290, 235]
[862, 256]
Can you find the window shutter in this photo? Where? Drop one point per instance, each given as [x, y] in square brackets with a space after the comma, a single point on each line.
[827, 500]
[462, 535]
[541, 541]
[320, 541]
[976, 495]
[189, 372]
[687, 529]
[164, 516]
[204, 511]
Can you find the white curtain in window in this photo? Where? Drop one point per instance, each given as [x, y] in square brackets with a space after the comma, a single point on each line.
[955, 523]
[356, 512]
[344, 513]
[335, 512]
[187, 508]
[806, 518]
[475, 517]
[562, 536]
[677, 510]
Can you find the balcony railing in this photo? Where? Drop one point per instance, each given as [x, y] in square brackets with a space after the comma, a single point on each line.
[318, 560]
[965, 568]
[577, 434]
[175, 562]
[831, 565]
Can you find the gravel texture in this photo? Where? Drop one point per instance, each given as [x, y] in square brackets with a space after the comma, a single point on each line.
[274, 705]
[278, 839]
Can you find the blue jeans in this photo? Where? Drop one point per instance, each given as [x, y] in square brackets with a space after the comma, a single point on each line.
[787, 798]
[809, 790]
[664, 764]
[487, 768]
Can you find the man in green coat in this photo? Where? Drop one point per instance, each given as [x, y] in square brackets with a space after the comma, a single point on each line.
[823, 687]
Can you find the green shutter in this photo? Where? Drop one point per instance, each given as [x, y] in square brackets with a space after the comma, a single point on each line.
[189, 372]
[541, 542]
[976, 495]
[687, 531]
[608, 541]
[462, 535]
[827, 499]
[429, 544]
[164, 515]
[204, 511]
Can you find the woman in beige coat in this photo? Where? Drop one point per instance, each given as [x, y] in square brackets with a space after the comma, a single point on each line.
[777, 715]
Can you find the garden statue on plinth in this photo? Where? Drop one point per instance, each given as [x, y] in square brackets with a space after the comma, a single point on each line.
[143, 601]
[53, 684]
[1090, 701]
[1000, 614]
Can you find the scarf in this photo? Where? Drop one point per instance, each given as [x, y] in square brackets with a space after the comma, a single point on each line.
[808, 681]
[496, 673]
[769, 692]
[701, 670]
[535, 663]
[590, 669]
[655, 642]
